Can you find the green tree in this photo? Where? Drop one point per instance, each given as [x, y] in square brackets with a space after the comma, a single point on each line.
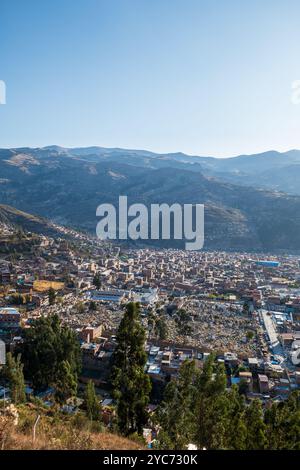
[243, 387]
[283, 424]
[197, 407]
[250, 335]
[218, 385]
[80, 307]
[212, 406]
[131, 385]
[14, 374]
[91, 401]
[51, 296]
[256, 428]
[97, 281]
[65, 382]
[176, 413]
[236, 431]
[16, 299]
[216, 421]
[92, 306]
[161, 328]
[291, 425]
[205, 378]
[182, 320]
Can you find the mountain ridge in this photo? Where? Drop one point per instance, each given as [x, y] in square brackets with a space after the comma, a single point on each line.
[68, 187]
[261, 170]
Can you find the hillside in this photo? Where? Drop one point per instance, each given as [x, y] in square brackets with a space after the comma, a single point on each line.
[67, 185]
[16, 219]
[56, 431]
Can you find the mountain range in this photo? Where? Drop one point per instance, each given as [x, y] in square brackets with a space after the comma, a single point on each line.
[252, 202]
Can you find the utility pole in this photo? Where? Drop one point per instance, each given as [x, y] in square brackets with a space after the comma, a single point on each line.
[34, 428]
[2, 364]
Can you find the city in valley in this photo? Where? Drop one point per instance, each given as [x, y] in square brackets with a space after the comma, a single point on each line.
[243, 308]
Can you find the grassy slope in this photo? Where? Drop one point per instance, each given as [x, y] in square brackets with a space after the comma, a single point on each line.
[16, 218]
[56, 431]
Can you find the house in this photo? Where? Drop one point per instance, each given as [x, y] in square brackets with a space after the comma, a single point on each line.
[253, 364]
[287, 339]
[5, 277]
[263, 383]
[89, 333]
[9, 318]
[115, 296]
[166, 359]
[231, 359]
[146, 298]
[297, 377]
[247, 377]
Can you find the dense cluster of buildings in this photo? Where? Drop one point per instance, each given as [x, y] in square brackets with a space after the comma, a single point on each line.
[245, 309]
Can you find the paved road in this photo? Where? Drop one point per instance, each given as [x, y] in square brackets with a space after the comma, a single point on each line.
[271, 330]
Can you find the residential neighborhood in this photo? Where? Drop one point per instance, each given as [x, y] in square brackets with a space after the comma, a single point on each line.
[243, 310]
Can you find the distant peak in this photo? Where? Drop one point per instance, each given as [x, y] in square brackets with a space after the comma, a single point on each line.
[54, 147]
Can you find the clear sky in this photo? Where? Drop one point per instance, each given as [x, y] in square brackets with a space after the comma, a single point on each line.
[205, 77]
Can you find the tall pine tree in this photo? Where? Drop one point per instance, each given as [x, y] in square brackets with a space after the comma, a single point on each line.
[131, 385]
[14, 374]
[92, 404]
[256, 428]
[176, 412]
[51, 353]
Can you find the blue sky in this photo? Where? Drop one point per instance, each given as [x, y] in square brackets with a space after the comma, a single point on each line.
[206, 77]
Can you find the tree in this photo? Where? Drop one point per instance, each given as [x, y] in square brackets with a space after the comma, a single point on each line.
[161, 328]
[80, 307]
[205, 378]
[198, 408]
[16, 299]
[92, 306]
[51, 296]
[151, 321]
[92, 405]
[14, 374]
[131, 385]
[243, 387]
[291, 422]
[176, 413]
[97, 281]
[212, 407]
[256, 428]
[182, 320]
[250, 335]
[47, 349]
[237, 431]
[65, 383]
[218, 385]
[283, 424]
[216, 420]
